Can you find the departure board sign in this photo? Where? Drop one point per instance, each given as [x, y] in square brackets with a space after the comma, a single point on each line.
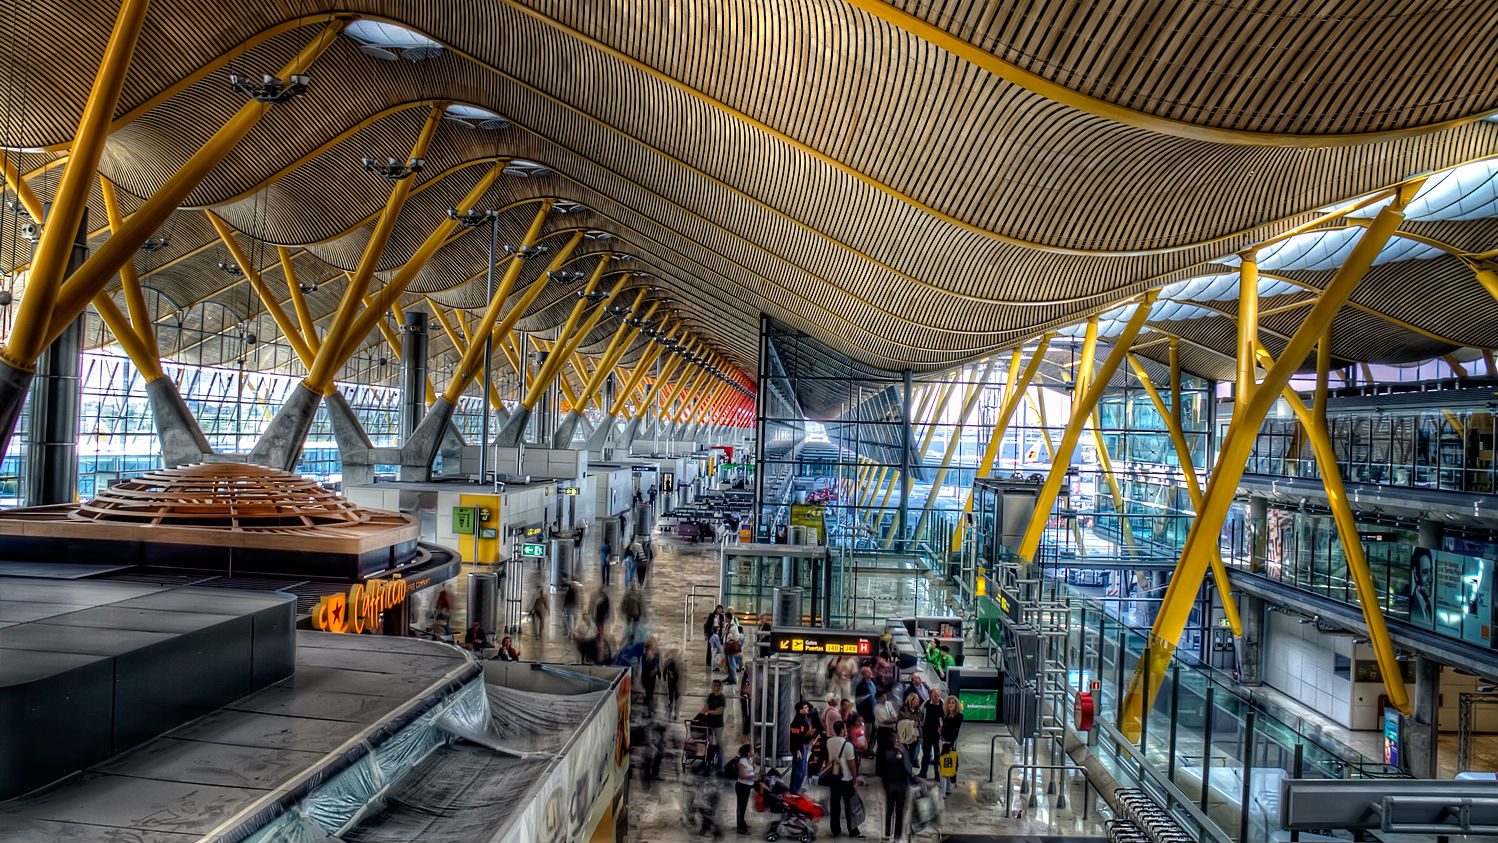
[813, 641]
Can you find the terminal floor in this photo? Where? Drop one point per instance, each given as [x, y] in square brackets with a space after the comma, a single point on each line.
[657, 814]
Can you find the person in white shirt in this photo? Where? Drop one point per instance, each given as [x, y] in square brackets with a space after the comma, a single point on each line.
[744, 784]
[842, 758]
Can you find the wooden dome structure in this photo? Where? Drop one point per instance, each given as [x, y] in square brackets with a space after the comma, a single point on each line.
[232, 496]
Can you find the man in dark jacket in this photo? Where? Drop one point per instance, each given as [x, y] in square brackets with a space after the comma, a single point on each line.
[931, 731]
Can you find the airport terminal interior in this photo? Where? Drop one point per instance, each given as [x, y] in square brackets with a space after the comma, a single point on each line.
[674, 420]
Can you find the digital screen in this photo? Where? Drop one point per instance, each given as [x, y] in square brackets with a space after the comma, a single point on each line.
[819, 642]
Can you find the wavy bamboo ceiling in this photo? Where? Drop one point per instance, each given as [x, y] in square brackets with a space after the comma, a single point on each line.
[911, 184]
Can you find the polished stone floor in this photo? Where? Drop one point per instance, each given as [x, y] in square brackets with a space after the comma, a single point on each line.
[659, 810]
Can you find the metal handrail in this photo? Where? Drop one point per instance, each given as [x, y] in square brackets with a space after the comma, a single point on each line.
[1009, 783]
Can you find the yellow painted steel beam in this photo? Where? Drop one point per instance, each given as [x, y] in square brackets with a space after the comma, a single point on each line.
[660, 380]
[299, 301]
[954, 440]
[568, 336]
[469, 368]
[1037, 406]
[81, 286]
[1105, 463]
[272, 305]
[1352, 543]
[1080, 412]
[320, 378]
[146, 359]
[642, 368]
[43, 295]
[135, 297]
[1193, 488]
[1248, 326]
[1014, 391]
[622, 338]
[389, 296]
[459, 345]
[1237, 446]
[28, 197]
[1456, 366]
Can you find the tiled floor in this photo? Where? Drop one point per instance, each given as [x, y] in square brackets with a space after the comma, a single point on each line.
[658, 811]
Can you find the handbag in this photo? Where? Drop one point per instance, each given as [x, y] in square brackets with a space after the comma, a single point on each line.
[856, 812]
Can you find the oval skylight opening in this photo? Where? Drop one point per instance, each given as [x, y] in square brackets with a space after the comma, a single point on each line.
[388, 42]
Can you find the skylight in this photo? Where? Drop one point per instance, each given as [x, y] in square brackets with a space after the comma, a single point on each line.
[388, 42]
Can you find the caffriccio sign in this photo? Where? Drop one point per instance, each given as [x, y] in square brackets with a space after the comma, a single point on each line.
[359, 609]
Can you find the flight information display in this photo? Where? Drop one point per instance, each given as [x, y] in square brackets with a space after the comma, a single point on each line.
[812, 641]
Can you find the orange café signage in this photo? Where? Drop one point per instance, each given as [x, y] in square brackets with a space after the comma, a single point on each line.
[359, 609]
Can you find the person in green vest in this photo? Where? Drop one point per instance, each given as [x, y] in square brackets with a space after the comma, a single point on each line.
[939, 658]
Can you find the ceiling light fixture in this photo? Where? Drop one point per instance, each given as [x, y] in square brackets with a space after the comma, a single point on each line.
[270, 89]
[394, 170]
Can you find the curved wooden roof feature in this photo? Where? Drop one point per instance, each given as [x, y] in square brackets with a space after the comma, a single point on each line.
[910, 184]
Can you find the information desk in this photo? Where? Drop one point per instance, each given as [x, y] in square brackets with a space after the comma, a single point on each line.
[816, 641]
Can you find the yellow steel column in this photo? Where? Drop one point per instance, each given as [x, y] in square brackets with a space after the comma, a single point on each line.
[344, 318]
[469, 368]
[288, 329]
[389, 296]
[1079, 414]
[1248, 326]
[28, 336]
[1014, 391]
[146, 358]
[642, 368]
[97, 271]
[1193, 489]
[299, 301]
[611, 354]
[1037, 404]
[953, 441]
[1314, 421]
[135, 298]
[1237, 446]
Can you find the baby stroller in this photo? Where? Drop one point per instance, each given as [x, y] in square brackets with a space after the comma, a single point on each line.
[798, 813]
[695, 751]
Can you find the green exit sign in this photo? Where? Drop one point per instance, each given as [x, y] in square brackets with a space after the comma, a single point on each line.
[537, 550]
[570, 490]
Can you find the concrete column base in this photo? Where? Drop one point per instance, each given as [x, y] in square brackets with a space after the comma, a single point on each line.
[182, 440]
[281, 443]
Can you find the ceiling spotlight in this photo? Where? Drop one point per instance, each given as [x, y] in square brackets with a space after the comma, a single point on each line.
[6, 298]
[249, 338]
[594, 297]
[270, 89]
[32, 231]
[156, 244]
[651, 334]
[637, 322]
[564, 277]
[567, 206]
[618, 310]
[230, 269]
[472, 218]
[392, 169]
[307, 286]
[381, 361]
[621, 256]
[526, 253]
[597, 234]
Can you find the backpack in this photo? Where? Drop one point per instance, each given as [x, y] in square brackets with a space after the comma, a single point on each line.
[731, 769]
[907, 732]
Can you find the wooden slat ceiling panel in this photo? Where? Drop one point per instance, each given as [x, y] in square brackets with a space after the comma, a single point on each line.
[1342, 69]
[803, 158]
